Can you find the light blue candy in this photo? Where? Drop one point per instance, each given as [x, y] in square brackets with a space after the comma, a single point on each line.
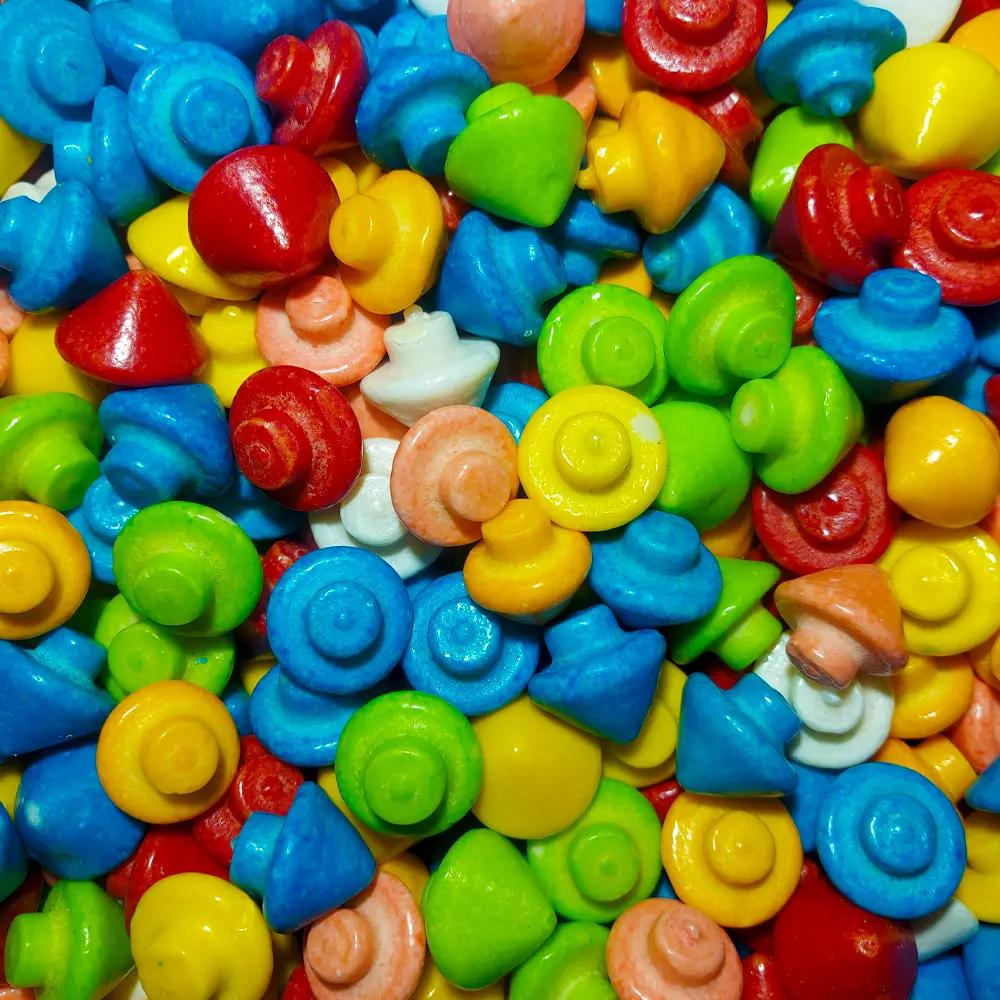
[128, 32]
[664, 890]
[803, 803]
[967, 386]
[941, 978]
[513, 403]
[100, 519]
[586, 238]
[985, 793]
[13, 863]
[604, 16]
[237, 703]
[411, 30]
[255, 512]
[981, 959]
[987, 325]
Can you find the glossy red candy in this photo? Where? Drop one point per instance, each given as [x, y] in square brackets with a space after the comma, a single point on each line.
[313, 87]
[273, 562]
[842, 218]
[133, 333]
[298, 987]
[296, 437]
[760, 979]
[993, 398]
[955, 235]
[847, 518]
[453, 207]
[661, 797]
[973, 8]
[693, 45]
[261, 216]
[809, 296]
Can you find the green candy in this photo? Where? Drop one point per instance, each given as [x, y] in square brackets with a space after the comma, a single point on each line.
[48, 448]
[189, 567]
[519, 155]
[604, 335]
[75, 949]
[484, 911]
[607, 861]
[409, 764]
[141, 653]
[786, 142]
[732, 323]
[708, 476]
[570, 964]
[799, 423]
[739, 629]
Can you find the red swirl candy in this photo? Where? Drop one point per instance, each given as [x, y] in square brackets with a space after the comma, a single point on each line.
[273, 562]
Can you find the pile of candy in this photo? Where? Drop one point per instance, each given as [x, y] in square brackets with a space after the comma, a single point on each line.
[499, 499]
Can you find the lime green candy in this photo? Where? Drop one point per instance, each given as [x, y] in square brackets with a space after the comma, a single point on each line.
[484, 911]
[708, 476]
[519, 155]
[785, 143]
[189, 567]
[409, 764]
[141, 653]
[570, 964]
[608, 860]
[604, 335]
[48, 448]
[738, 629]
[75, 949]
[732, 323]
[799, 423]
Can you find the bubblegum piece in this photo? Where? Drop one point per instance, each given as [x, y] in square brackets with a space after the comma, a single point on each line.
[586, 238]
[99, 519]
[513, 403]
[128, 32]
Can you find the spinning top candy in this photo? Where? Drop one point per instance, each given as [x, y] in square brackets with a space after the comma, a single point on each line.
[571, 959]
[930, 694]
[131, 32]
[227, 329]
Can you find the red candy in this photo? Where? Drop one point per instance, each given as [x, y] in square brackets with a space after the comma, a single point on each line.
[955, 235]
[809, 296]
[993, 398]
[273, 562]
[847, 518]
[661, 797]
[313, 87]
[298, 987]
[693, 45]
[261, 216]
[760, 979]
[296, 437]
[133, 333]
[973, 8]
[841, 220]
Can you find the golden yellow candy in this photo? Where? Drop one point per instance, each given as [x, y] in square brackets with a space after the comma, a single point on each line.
[629, 274]
[986, 661]
[614, 76]
[592, 457]
[947, 582]
[253, 670]
[35, 364]
[167, 752]
[539, 773]
[351, 171]
[981, 35]
[932, 109]
[198, 937]
[10, 782]
[930, 693]
[936, 758]
[17, 154]
[733, 538]
[433, 986]
[658, 162]
[735, 859]
[649, 758]
[980, 885]
[410, 870]
[228, 331]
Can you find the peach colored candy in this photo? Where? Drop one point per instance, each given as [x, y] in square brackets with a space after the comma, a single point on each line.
[375, 423]
[315, 324]
[575, 87]
[661, 949]
[977, 733]
[530, 41]
[10, 316]
[455, 468]
[371, 949]
[844, 621]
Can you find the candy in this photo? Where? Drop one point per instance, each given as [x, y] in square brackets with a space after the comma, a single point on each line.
[977, 733]
[131, 31]
[923, 23]
[952, 925]
[930, 695]
[587, 238]
[571, 959]
[937, 759]
[227, 329]
[20, 152]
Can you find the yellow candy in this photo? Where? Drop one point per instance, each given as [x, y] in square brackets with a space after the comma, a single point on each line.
[629, 274]
[10, 782]
[167, 752]
[17, 154]
[981, 35]
[738, 860]
[161, 241]
[35, 364]
[980, 885]
[733, 538]
[614, 76]
[410, 870]
[390, 239]
[649, 758]
[986, 661]
[930, 694]
[433, 986]
[592, 457]
[525, 565]
[539, 773]
[253, 670]
[351, 171]
[228, 331]
[196, 937]
[947, 583]
[942, 462]
[933, 109]
[936, 758]
[658, 163]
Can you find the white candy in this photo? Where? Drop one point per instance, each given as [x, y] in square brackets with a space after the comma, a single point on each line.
[36, 191]
[925, 20]
[429, 366]
[430, 8]
[947, 928]
[840, 727]
[365, 518]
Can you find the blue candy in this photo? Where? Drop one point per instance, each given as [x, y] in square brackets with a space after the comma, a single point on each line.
[733, 742]
[410, 30]
[237, 703]
[824, 54]
[49, 695]
[66, 821]
[803, 803]
[981, 958]
[13, 863]
[339, 619]
[50, 66]
[890, 840]
[301, 865]
[100, 519]
[128, 32]
[466, 655]
[255, 512]
[985, 793]
[513, 403]
[191, 104]
[720, 226]
[166, 441]
[59, 251]
[604, 16]
[895, 338]
[370, 14]
[967, 386]
[602, 678]
[586, 238]
[941, 978]
[497, 279]
[664, 890]
[654, 572]
[987, 326]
